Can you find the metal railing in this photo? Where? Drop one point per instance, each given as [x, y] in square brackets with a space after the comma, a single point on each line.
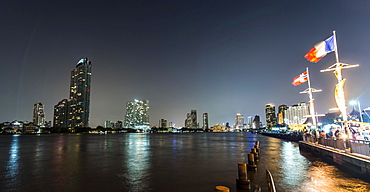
[361, 147]
[355, 146]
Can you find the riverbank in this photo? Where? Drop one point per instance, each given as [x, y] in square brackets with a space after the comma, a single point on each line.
[354, 164]
[286, 136]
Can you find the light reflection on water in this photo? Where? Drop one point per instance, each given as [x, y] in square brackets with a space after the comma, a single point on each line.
[327, 178]
[159, 162]
[293, 171]
[13, 165]
[293, 164]
[137, 153]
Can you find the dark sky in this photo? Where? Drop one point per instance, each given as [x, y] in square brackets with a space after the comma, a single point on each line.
[221, 57]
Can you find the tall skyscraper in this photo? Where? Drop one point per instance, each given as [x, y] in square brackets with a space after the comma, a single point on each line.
[281, 114]
[79, 96]
[239, 121]
[61, 114]
[191, 120]
[205, 121]
[137, 114]
[187, 120]
[162, 123]
[250, 122]
[194, 119]
[256, 122]
[38, 114]
[270, 115]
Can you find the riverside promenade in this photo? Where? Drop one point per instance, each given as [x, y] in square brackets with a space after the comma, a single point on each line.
[352, 156]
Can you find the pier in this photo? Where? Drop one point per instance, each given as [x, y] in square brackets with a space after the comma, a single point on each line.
[352, 156]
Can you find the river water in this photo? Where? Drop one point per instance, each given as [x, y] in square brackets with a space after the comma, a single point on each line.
[186, 162]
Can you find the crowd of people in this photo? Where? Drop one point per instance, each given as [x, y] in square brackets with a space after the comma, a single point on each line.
[338, 133]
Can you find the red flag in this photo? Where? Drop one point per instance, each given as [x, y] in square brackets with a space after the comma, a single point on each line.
[303, 77]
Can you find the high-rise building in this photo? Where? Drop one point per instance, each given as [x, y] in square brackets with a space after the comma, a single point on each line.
[61, 114]
[187, 120]
[239, 121]
[281, 114]
[270, 115]
[250, 122]
[118, 124]
[108, 124]
[191, 120]
[162, 123]
[297, 114]
[137, 114]
[38, 114]
[194, 119]
[256, 122]
[171, 124]
[79, 96]
[205, 121]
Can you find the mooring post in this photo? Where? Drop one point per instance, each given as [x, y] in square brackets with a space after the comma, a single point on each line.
[257, 143]
[254, 151]
[242, 182]
[222, 189]
[257, 146]
[251, 163]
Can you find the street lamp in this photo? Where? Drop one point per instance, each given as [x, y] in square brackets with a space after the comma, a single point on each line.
[354, 102]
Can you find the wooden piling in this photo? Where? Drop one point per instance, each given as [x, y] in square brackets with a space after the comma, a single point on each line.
[257, 143]
[222, 189]
[257, 146]
[251, 163]
[242, 171]
[257, 149]
[254, 151]
[242, 182]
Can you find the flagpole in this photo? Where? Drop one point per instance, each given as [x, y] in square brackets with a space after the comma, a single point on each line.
[339, 88]
[309, 91]
[336, 47]
[312, 108]
[308, 78]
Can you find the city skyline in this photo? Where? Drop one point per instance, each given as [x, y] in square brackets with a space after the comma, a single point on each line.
[217, 57]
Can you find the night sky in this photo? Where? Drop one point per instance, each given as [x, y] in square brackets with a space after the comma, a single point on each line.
[220, 57]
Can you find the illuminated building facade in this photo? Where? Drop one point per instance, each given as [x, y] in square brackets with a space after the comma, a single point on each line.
[79, 97]
[137, 114]
[171, 124]
[270, 115]
[256, 122]
[162, 123]
[38, 114]
[249, 122]
[281, 114]
[297, 114]
[205, 121]
[191, 120]
[61, 114]
[108, 124]
[118, 124]
[239, 121]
